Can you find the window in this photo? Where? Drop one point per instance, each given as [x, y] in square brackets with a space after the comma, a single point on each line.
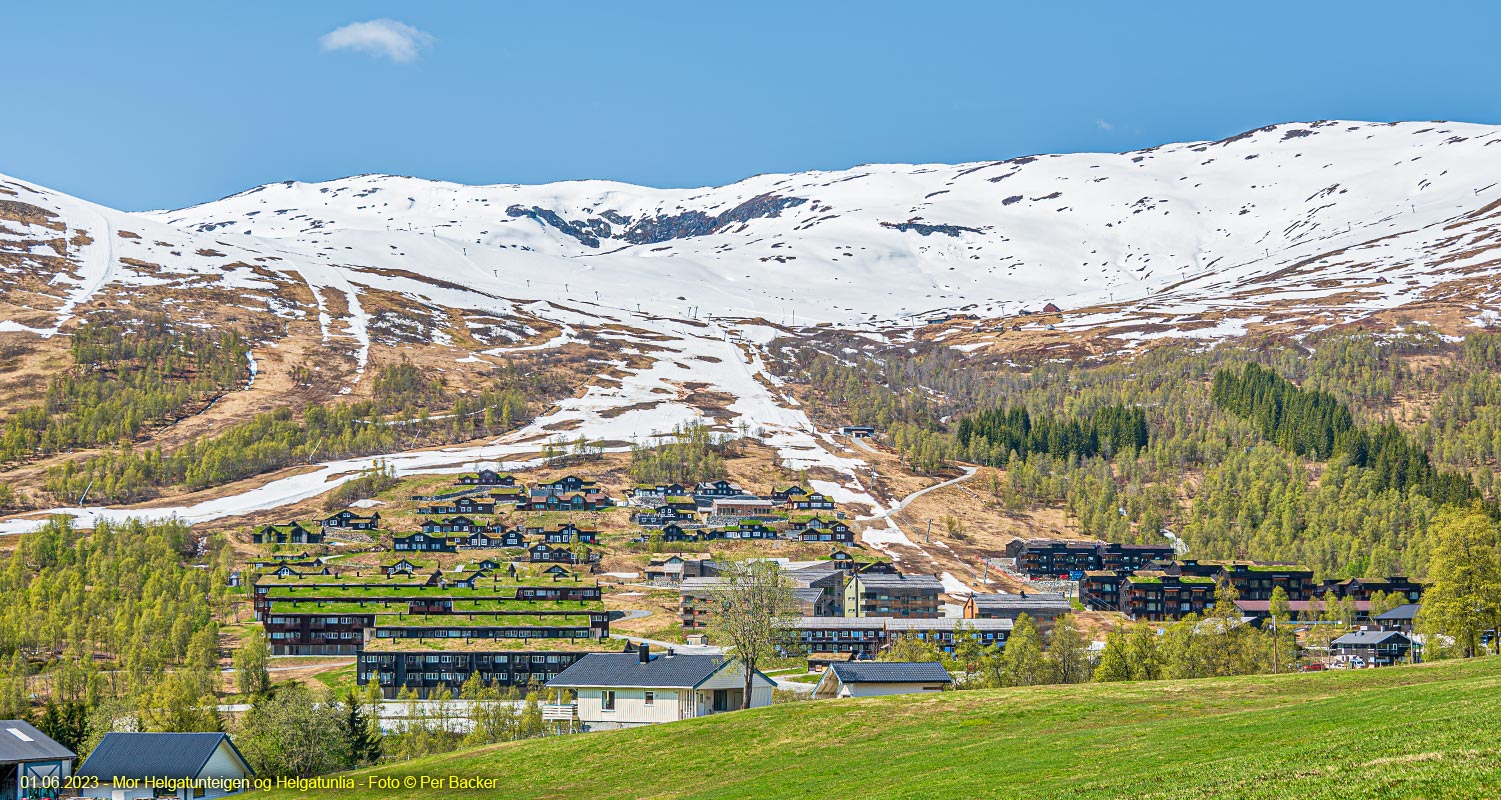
[651, 699]
[607, 701]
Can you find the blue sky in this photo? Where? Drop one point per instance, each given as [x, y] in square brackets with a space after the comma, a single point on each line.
[167, 104]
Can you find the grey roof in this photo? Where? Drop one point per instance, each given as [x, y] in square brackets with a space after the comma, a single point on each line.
[1005, 600]
[808, 594]
[902, 624]
[1367, 637]
[947, 624]
[159, 755]
[892, 672]
[872, 623]
[692, 584]
[626, 669]
[19, 741]
[876, 580]
[1406, 612]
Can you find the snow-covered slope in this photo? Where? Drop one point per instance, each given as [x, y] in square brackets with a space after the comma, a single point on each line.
[885, 242]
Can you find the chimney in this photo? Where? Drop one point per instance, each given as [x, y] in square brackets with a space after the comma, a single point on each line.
[643, 652]
[670, 652]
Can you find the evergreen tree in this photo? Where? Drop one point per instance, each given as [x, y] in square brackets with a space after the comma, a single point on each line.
[362, 734]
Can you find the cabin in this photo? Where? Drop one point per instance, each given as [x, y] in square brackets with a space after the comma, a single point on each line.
[572, 501]
[482, 539]
[717, 488]
[571, 533]
[400, 566]
[451, 525]
[349, 520]
[646, 493]
[569, 484]
[424, 543]
[1372, 648]
[293, 532]
[782, 494]
[486, 477]
[1043, 607]
[544, 553]
[210, 760]
[812, 501]
[825, 530]
[661, 515]
[743, 530]
[672, 532]
[859, 431]
[512, 538]
[626, 690]
[468, 506]
[881, 678]
[1051, 308]
[31, 761]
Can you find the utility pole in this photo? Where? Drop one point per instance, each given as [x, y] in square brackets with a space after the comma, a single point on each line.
[928, 535]
[1275, 669]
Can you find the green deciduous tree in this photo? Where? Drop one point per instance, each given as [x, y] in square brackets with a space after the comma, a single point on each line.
[1463, 599]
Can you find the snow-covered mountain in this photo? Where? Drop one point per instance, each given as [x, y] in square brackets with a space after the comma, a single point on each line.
[1348, 202]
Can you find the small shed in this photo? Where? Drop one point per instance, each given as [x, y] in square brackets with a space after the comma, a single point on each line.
[874, 679]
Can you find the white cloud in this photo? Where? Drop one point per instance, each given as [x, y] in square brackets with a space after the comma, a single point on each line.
[386, 38]
[1104, 125]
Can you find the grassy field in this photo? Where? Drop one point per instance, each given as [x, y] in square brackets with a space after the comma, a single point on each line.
[1407, 732]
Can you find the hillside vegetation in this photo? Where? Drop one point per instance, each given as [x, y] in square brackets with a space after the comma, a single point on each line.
[1428, 731]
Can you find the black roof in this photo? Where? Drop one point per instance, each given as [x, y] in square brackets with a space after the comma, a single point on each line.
[19, 741]
[892, 672]
[161, 755]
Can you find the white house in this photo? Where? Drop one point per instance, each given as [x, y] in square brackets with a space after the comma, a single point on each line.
[638, 687]
[873, 679]
[209, 760]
